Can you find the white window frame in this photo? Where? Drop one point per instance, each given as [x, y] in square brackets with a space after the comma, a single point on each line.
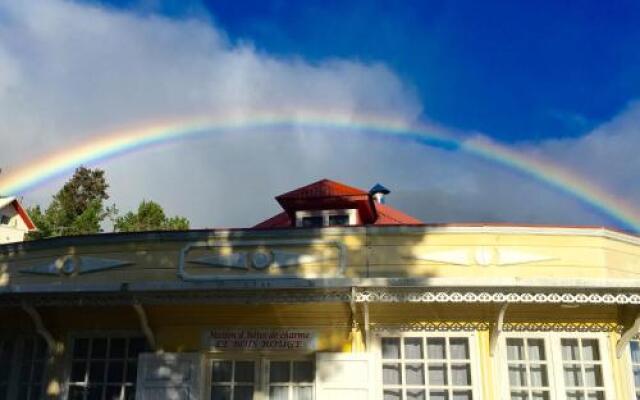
[472, 337]
[352, 213]
[553, 349]
[262, 362]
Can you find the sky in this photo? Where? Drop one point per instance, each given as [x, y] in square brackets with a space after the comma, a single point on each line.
[558, 80]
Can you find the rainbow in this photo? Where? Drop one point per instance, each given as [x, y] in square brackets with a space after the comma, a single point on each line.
[111, 144]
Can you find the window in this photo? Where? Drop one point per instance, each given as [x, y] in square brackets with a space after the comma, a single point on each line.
[22, 368]
[280, 379]
[312, 222]
[431, 367]
[6, 353]
[634, 347]
[105, 368]
[582, 366]
[4, 220]
[232, 380]
[320, 218]
[553, 366]
[338, 220]
[32, 365]
[291, 380]
[528, 369]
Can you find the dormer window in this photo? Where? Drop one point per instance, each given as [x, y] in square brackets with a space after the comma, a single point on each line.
[320, 218]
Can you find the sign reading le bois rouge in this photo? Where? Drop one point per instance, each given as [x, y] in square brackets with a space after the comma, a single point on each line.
[262, 339]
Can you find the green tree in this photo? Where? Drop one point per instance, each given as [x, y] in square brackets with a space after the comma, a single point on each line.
[149, 217]
[76, 209]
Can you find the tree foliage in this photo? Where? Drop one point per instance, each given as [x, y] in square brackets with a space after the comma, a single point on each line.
[78, 208]
[150, 217]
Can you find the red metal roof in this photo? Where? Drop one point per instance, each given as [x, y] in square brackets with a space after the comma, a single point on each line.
[320, 189]
[327, 194]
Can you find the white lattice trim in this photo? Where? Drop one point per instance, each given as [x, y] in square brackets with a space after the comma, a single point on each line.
[407, 296]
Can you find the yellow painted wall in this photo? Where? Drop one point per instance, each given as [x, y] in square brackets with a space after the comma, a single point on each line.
[369, 253]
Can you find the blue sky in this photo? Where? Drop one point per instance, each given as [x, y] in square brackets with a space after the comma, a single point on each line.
[514, 70]
[558, 81]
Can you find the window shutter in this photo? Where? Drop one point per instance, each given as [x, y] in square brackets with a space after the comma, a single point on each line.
[172, 376]
[343, 376]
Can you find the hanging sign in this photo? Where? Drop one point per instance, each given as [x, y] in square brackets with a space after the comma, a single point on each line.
[275, 339]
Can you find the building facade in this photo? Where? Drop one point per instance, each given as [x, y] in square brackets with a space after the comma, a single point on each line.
[14, 221]
[339, 297]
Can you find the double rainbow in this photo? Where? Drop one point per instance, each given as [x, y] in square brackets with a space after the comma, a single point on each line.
[117, 143]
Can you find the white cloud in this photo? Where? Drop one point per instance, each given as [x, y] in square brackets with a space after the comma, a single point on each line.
[69, 71]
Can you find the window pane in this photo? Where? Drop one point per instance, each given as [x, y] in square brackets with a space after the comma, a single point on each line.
[115, 371]
[76, 393]
[413, 348]
[391, 374]
[536, 349]
[391, 348]
[570, 349]
[515, 349]
[132, 371]
[590, 351]
[438, 395]
[221, 371]
[303, 393]
[592, 375]
[575, 395]
[78, 371]
[517, 375]
[437, 374]
[461, 374]
[99, 348]
[414, 374]
[279, 371]
[435, 349]
[303, 371]
[599, 395]
[338, 220]
[243, 393]
[413, 394]
[392, 394]
[538, 375]
[96, 372]
[540, 395]
[312, 222]
[95, 392]
[117, 348]
[636, 376]
[459, 349]
[279, 393]
[462, 395]
[634, 346]
[221, 393]
[519, 395]
[80, 348]
[244, 371]
[572, 375]
[130, 393]
[136, 346]
[113, 393]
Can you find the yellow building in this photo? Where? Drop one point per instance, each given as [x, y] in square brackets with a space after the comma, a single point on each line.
[338, 297]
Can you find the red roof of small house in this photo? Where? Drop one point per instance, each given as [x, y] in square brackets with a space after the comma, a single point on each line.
[5, 201]
[331, 195]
